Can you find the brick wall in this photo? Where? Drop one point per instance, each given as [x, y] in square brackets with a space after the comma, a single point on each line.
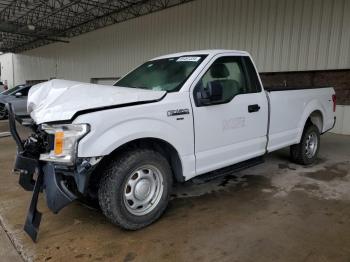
[339, 79]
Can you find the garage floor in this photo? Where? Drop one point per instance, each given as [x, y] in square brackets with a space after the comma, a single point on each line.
[277, 211]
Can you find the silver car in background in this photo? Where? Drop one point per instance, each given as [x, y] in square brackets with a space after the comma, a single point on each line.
[17, 96]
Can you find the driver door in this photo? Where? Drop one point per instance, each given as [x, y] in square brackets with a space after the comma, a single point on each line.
[233, 128]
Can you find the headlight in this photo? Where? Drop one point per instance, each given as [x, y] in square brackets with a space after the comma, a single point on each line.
[65, 141]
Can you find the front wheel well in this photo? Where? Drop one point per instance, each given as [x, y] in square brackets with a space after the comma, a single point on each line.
[156, 144]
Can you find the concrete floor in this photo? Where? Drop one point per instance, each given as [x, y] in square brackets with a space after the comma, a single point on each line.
[276, 211]
[7, 250]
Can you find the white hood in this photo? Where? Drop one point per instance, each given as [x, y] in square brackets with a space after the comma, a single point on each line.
[57, 100]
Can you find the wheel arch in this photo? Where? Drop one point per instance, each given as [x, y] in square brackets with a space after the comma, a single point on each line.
[157, 144]
[315, 117]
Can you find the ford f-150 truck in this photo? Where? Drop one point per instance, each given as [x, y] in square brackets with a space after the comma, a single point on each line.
[171, 119]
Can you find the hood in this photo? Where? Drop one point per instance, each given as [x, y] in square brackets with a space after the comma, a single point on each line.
[58, 100]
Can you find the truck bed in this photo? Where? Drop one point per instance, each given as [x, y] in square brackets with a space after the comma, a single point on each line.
[289, 112]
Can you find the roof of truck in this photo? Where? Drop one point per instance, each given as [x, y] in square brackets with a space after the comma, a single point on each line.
[205, 52]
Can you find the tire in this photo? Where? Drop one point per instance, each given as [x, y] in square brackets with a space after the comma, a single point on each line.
[305, 153]
[130, 182]
[3, 112]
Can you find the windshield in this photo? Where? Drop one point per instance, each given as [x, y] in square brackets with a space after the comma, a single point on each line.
[167, 74]
[12, 90]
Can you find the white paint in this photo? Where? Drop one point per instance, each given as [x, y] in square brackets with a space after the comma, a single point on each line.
[60, 99]
[215, 147]
[290, 110]
[113, 128]
[233, 123]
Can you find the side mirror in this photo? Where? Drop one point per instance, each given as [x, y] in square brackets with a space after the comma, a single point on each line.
[211, 95]
[19, 94]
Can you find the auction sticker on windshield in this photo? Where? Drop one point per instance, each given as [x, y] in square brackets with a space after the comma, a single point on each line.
[188, 59]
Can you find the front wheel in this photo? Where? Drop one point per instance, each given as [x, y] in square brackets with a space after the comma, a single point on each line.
[134, 190]
[305, 153]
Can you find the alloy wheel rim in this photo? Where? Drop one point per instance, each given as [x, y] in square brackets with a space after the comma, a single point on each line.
[143, 190]
[311, 145]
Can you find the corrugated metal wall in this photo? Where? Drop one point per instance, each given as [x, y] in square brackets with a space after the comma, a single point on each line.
[34, 67]
[6, 61]
[281, 35]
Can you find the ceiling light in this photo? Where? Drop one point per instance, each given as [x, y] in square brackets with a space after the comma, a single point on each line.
[31, 27]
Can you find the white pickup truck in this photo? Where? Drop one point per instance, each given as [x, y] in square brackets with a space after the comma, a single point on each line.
[171, 119]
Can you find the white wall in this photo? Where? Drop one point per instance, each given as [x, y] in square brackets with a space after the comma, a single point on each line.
[34, 68]
[342, 125]
[282, 35]
[7, 69]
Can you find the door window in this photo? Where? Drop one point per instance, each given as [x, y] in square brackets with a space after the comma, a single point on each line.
[229, 74]
[25, 91]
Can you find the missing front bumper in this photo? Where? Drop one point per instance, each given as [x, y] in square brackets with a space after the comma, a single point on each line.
[52, 183]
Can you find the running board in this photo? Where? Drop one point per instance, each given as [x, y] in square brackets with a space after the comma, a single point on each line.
[228, 170]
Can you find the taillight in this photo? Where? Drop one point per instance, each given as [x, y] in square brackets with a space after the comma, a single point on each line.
[334, 98]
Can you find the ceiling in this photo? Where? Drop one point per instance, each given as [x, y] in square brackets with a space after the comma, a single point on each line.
[27, 24]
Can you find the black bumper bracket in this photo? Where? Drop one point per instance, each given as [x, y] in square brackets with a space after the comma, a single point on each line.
[26, 167]
[33, 219]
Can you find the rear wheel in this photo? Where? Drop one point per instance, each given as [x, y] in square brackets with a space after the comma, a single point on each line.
[306, 151]
[134, 191]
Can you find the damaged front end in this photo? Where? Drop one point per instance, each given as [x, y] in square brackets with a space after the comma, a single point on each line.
[44, 165]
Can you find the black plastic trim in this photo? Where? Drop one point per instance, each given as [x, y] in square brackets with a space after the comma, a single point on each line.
[56, 192]
[33, 219]
[26, 163]
[229, 170]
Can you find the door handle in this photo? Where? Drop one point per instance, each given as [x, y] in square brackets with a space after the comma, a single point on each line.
[253, 108]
